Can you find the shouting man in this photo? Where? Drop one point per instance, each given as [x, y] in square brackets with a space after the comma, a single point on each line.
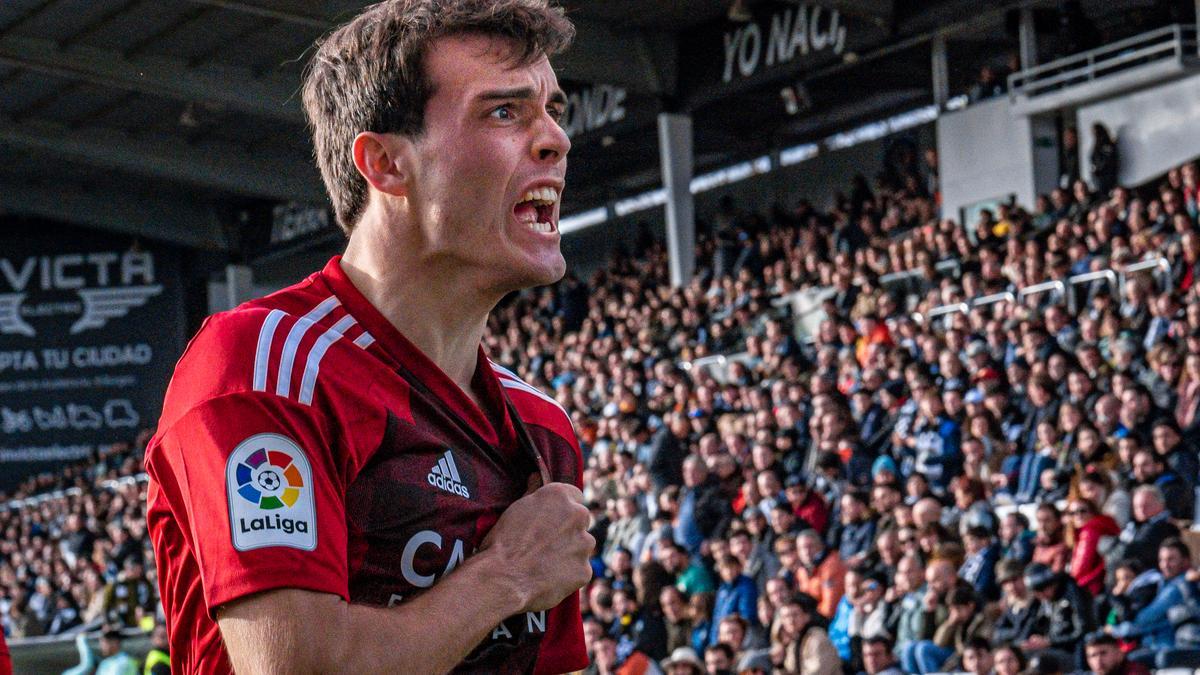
[341, 479]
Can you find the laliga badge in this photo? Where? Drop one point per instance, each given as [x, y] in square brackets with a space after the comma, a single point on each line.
[269, 484]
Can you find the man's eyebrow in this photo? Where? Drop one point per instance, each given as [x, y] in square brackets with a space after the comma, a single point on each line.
[521, 93]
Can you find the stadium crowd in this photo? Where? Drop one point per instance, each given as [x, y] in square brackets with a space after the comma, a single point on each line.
[1003, 490]
[74, 553]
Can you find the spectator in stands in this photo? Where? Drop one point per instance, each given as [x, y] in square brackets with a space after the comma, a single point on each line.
[820, 573]
[158, 659]
[854, 534]
[1104, 657]
[804, 646]
[1065, 614]
[1069, 158]
[718, 659]
[629, 531]
[1049, 545]
[1150, 470]
[683, 661]
[1087, 565]
[1021, 611]
[1104, 159]
[691, 577]
[937, 435]
[988, 85]
[964, 622]
[1153, 624]
[114, 661]
[1016, 539]
[1008, 659]
[737, 594]
[676, 618]
[932, 612]
[878, 658]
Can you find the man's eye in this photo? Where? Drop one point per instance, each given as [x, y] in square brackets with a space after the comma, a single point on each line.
[556, 114]
[504, 112]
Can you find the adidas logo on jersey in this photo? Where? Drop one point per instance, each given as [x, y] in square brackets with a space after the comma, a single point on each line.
[444, 476]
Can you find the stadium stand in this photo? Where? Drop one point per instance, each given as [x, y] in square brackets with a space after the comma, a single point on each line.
[879, 468]
[876, 467]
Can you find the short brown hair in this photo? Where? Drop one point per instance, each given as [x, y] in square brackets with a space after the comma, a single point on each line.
[368, 75]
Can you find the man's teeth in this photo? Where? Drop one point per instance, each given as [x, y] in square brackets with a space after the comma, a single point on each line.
[530, 218]
[544, 195]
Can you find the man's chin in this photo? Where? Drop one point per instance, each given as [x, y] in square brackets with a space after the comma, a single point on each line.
[539, 272]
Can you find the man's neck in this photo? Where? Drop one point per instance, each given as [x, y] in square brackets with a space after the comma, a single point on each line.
[435, 308]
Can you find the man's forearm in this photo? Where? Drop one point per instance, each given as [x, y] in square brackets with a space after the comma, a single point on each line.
[436, 630]
[294, 630]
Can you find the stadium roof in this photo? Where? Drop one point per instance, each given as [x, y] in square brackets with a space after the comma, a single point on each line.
[171, 118]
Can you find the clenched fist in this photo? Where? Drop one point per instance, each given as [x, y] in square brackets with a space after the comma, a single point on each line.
[541, 545]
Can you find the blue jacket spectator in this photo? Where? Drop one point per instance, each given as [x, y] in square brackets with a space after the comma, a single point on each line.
[1024, 471]
[1153, 623]
[937, 443]
[979, 569]
[737, 594]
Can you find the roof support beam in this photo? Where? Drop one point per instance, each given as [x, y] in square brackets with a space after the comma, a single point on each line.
[602, 54]
[220, 167]
[235, 89]
[308, 20]
[179, 221]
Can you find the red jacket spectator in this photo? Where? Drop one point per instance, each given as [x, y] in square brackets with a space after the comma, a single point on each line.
[812, 510]
[1087, 565]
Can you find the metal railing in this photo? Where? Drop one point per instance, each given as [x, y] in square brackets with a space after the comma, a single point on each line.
[1085, 281]
[1116, 285]
[718, 364]
[1159, 268]
[1044, 287]
[1174, 42]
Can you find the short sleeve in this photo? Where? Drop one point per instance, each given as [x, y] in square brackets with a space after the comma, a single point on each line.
[252, 482]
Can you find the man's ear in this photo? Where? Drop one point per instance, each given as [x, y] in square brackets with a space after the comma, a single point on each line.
[382, 161]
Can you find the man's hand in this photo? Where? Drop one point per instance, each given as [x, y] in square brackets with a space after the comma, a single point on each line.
[1036, 642]
[541, 545]
[930, 601]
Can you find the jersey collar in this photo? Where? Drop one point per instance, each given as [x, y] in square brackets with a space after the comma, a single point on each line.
[492, 425]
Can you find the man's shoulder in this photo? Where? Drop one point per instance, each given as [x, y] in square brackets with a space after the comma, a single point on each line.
[276, 345]
[533, 405]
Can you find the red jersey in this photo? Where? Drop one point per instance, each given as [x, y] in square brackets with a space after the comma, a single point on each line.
[305, 443]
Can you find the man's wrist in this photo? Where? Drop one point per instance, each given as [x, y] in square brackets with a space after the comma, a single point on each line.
[510, 593]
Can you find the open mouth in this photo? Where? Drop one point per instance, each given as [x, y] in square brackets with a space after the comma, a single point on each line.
[536, 209]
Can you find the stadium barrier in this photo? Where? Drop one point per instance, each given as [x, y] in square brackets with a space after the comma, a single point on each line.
[54, 654]
[993, 299]
[716, 365]
[807, 312]
[1057, 289]
[1158, 268]
[1170, 44]
[1077, 284]
[1116, 284]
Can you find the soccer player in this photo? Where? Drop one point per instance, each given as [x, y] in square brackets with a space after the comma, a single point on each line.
[341, 480]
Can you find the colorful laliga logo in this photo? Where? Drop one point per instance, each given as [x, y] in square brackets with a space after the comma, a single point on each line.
[269, 479]
[269, 483]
